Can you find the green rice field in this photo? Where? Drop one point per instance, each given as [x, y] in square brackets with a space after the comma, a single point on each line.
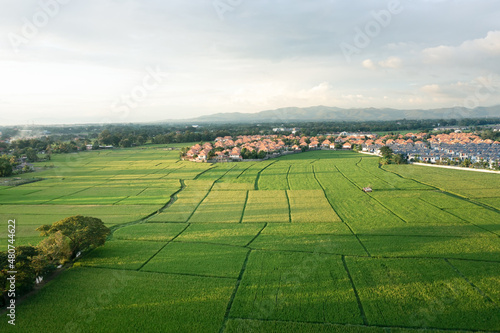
[290, 244]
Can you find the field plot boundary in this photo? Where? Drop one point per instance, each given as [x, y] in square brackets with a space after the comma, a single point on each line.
[243, 171]
[479, 290]
[340, 217]
[170, 241]
[259, 172]
[458, 217]
[170, 202]
[235, 290]
[256, 236]
[244, 208]
[287, 178]
[454, 195]
[381, 204]
[386, 328]
[358, 300]
[289, 207]
[208, 192]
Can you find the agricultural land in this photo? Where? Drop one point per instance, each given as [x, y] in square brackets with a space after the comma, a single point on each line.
[290, 244]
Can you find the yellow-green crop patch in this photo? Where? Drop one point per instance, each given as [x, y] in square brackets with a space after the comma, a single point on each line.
[221, 233]
[310, 206]
[181, 210]
[301, 177]
[266, 206]
[221, 206]
[274, 177]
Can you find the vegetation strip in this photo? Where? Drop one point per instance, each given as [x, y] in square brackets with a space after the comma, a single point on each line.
[258, 234]
[289, 208]
[235, 290]
[242, 172]
[244, 207]
[258, 174]
[287, 178]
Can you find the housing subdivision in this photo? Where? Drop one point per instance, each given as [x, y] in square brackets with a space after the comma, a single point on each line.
[452, 148]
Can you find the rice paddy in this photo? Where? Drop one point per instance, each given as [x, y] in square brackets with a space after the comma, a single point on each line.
[285, 245]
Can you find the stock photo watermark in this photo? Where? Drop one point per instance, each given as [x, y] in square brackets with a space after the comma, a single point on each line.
[372, 29]
[127, 102]
[31, 27]
[11, 280]
[223, 6]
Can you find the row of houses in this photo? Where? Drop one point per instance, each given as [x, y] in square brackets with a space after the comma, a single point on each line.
[438, 148]
[231, 148]
[422, 146]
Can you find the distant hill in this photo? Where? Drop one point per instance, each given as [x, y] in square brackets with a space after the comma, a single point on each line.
[327, 113]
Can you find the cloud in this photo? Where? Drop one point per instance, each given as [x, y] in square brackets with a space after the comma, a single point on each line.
[369, 64]
[487, 47]
[391, 62]
[263, 55]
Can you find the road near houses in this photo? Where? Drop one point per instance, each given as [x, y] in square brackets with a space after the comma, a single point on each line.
[441, 148]
[433, 148]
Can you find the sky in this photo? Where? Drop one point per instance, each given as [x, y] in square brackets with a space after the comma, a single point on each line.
[107, 61]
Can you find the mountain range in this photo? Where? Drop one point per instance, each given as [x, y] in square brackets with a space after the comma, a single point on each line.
[327, 113]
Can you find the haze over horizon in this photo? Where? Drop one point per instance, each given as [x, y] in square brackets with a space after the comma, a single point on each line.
[134, 61]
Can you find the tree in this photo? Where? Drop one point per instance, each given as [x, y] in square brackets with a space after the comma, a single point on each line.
[140, 140]
[83, 232]
[386, 152]
[31, 155]
[399, 159]
[125, 143]
[25, 277]
[5, 167]
[53, 250]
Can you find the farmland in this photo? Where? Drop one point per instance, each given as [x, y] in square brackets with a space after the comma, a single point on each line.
[288, 244]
